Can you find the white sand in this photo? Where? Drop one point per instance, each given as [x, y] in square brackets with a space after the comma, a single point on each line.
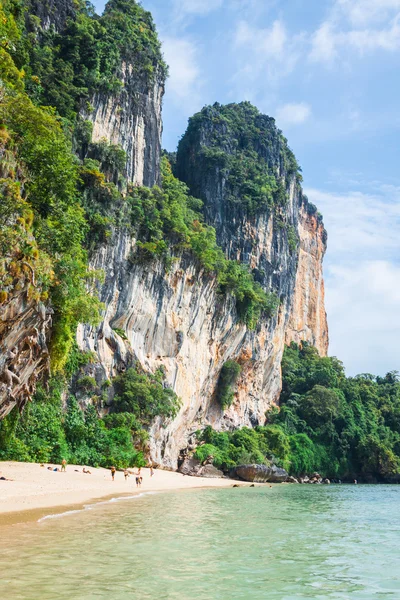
[35, 487]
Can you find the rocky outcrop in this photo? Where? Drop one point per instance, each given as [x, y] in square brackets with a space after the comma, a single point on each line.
[195, 468]
[178, 320]
[132, 119]
[52, 13]
[307, 316]
[260, 473]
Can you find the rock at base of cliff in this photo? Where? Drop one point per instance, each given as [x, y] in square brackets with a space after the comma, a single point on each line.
[190, 466]
[194, 468]
[210, 471]
[261, 473]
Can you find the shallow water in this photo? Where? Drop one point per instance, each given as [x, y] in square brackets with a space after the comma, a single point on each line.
[284, 543]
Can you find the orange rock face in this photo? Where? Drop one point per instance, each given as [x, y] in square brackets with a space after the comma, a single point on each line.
[307, 319]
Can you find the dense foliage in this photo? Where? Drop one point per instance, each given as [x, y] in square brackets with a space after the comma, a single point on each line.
[226, 382]
[63, 68]
[342, 427]
[46, 432]
[249, 151]
[40, 200]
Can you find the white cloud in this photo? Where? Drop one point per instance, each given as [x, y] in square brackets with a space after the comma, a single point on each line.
[362, 272]
[269, 42]
[363, 303]
[362, 12]
[361, 224]
[323, 45]
[184, 72]
[334, 35]
[293, 114]
[265, 55]
[367, 40]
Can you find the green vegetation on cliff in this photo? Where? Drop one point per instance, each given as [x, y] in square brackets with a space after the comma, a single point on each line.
[246, 147]
[226, 383]
[48, 432]
[342, 427]
[169, 219]
[46, 75]
[39, 175]
[166, 221]
[64, 68]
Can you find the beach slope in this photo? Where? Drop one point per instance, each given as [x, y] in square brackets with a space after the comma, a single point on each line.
[31, 486]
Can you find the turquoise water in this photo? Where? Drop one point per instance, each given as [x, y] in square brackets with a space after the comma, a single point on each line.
[285, 543]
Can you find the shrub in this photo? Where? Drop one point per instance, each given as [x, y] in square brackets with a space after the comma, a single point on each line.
[143, 395]
[226, 383]
[86, 383]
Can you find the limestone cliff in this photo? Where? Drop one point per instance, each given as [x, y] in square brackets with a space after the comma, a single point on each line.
[52, 13]
[172, 315]
[307, 317]
[132, 119]
[179, 321]
[117, 83]
[25, 314]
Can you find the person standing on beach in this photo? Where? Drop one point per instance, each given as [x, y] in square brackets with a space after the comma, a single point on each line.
[113, 469]
[63, 464]
[126, 474]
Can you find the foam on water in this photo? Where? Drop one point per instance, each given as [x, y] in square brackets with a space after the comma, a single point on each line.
[94, 505]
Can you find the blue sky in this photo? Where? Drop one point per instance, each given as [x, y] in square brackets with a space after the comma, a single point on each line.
[327, 70]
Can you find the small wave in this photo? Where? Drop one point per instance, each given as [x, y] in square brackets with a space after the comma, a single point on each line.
[58, 515]
[92, 506]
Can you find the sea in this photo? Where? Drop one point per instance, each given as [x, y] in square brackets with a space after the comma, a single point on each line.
[285, 542]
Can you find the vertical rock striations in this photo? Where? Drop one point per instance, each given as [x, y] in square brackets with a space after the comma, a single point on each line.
[126, 108]
[307, 317]
[168, 314]
[250, 187]
[131, 118]
[52, 13]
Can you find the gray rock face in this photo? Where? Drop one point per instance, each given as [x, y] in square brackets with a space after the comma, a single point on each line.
[53, 13]
[132, 119]
[261, 473]
[178, 320]
[194, 468]
[261, 239]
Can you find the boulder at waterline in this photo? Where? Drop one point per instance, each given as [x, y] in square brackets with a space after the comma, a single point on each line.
[261, 473]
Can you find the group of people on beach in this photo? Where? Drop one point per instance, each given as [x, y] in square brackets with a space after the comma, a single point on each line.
[138, 474]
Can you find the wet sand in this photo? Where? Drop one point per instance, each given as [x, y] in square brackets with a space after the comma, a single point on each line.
[34, 488]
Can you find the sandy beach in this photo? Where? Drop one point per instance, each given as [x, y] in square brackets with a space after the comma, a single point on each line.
[35, 487]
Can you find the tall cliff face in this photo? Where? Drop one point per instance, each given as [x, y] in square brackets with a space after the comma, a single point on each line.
[132, 120]
[222, 157]
[179, 321]
[126, 110]
[307, 316]
[107, 70]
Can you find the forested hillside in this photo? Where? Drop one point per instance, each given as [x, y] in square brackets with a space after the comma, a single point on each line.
[342, 427]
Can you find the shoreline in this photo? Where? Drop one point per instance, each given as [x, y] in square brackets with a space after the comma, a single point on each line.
[34, 491]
